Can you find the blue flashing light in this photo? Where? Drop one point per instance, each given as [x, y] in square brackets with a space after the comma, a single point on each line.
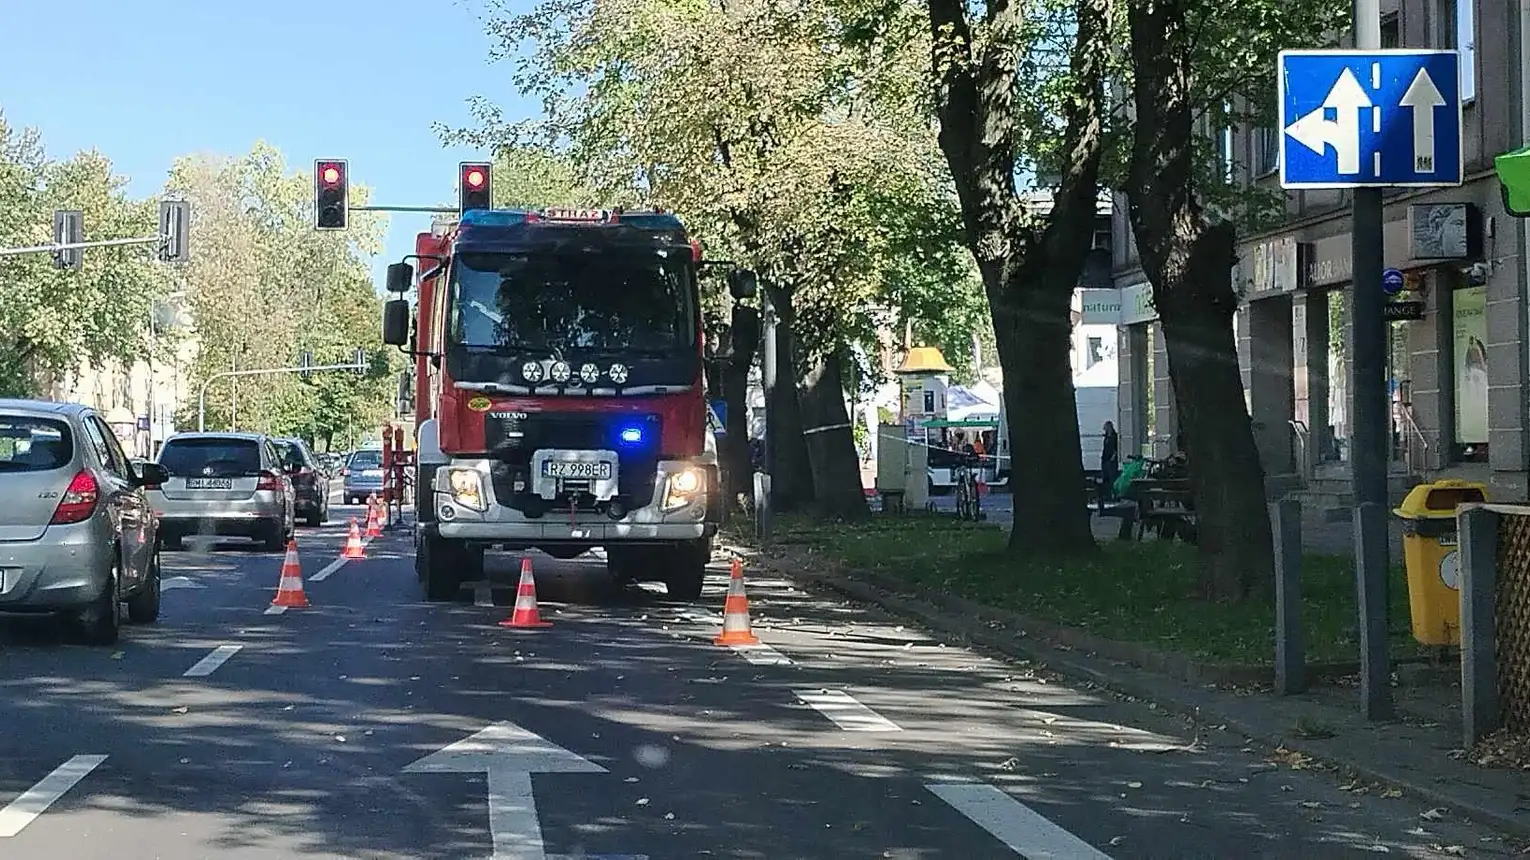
[632, 435]
[493, 218]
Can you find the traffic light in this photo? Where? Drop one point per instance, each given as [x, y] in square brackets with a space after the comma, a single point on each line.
[174, 230]
[361, 362]
[331, 184]
[474, 186]
[68, 229]
[305, 361]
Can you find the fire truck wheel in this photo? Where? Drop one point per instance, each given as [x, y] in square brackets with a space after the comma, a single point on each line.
[624, 564]
[433, 563]
[688, 569]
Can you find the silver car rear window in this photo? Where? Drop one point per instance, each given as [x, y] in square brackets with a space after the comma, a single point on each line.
[366, 460]
[215, 458]
[34, 444]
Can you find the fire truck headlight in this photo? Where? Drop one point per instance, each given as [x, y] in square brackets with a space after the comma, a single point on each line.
[467, 489]
[531, 371]
[683, 488]
[589, 373]
[561, 372]
[618, 373]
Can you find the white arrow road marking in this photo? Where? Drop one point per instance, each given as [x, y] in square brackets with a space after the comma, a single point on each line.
[1423, 97]
[35, 801]
[328, 570]
[1317, 132]
[846, 712]
[508, 755]
[209, 664]
[1008, 820]
[179, 582]
[762, 655]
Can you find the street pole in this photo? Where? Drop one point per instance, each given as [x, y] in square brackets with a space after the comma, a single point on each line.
[202, 395]
[1371, 437]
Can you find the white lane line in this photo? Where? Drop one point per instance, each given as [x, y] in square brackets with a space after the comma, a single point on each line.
[35, 801]
[596, 857]
[846, 712]
[175, 582]
[275, 610]
[1024, 830]
[762, 655]
[328, 570]
[209, 664]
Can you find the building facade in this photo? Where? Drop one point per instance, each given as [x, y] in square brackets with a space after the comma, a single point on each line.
[1457, 365]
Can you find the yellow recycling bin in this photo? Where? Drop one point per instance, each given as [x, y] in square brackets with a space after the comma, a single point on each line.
[1432, 559]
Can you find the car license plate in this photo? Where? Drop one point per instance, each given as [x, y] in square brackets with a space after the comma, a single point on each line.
[209, 483]
[585, 470]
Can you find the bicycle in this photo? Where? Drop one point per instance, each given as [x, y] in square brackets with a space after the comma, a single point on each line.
[969, 502]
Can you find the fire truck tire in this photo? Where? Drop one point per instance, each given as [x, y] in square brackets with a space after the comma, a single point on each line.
[687, 569]
[434, 564]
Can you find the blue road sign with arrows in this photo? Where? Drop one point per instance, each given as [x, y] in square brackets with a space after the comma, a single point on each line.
[1352, 119]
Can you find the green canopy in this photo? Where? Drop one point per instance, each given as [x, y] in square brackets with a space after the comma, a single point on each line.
[1514, 177]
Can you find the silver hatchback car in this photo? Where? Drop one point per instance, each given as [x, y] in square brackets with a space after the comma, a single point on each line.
[223, 484]
[77, 534]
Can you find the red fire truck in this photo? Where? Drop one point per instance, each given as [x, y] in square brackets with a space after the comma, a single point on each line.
[559, 397]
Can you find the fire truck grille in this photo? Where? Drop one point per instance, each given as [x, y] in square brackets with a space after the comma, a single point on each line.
[512, 438]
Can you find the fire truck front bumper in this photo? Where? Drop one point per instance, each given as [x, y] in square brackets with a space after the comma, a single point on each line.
[685, 506]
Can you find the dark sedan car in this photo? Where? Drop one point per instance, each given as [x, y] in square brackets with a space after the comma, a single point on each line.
[310, 481]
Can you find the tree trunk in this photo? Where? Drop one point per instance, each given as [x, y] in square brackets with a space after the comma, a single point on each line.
[1188, 253]
[1236, 546]
[830, 439]
[791, 474]
[1051, 509]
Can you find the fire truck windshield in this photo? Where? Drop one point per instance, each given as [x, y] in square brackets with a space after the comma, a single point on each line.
[616, 301]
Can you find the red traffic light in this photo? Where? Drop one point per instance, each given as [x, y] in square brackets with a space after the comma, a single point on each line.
[473, 187]
[331, 173]
[475, 178]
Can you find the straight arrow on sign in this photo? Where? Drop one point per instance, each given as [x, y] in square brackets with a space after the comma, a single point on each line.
[508, 755]
[1423, 97]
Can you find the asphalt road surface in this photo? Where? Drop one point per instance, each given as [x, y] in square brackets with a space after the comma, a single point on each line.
[375, 725]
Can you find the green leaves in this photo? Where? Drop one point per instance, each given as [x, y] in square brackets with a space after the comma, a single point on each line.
[52, 320]
[792, 138]
[264, 286]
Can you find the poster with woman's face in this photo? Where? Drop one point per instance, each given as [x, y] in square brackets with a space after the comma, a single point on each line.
[1471, 375]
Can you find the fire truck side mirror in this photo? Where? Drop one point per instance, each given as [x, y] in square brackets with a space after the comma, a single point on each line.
[400, 277]
[395, 322]
[742, 283]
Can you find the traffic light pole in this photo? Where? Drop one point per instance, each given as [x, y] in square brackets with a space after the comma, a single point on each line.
[202, 396]
[75, 246]
[448, 210]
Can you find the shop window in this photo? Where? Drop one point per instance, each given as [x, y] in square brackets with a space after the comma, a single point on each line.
[1096, 352]
[1470, 372]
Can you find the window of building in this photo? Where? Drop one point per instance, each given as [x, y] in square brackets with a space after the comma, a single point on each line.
[1102, 239]
[1096, 352]
[1266, 150]
[1458, 29]
[1391, 31]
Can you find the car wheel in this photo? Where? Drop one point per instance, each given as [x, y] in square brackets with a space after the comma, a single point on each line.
[101, 621]
[315, 519]
[324, 510]
[143, 607]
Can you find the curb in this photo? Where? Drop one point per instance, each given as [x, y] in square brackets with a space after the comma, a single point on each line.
[948, 617]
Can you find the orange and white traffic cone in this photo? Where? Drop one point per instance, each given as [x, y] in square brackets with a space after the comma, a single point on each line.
[374, 527]
[736, 627]
[289, 591]
[525, 613]
[353, 547]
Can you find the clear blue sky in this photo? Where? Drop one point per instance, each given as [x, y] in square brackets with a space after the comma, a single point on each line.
[147, 80]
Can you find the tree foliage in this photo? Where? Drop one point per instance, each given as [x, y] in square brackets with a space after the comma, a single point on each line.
[264, 286]
[51, 320]
[793, 138]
